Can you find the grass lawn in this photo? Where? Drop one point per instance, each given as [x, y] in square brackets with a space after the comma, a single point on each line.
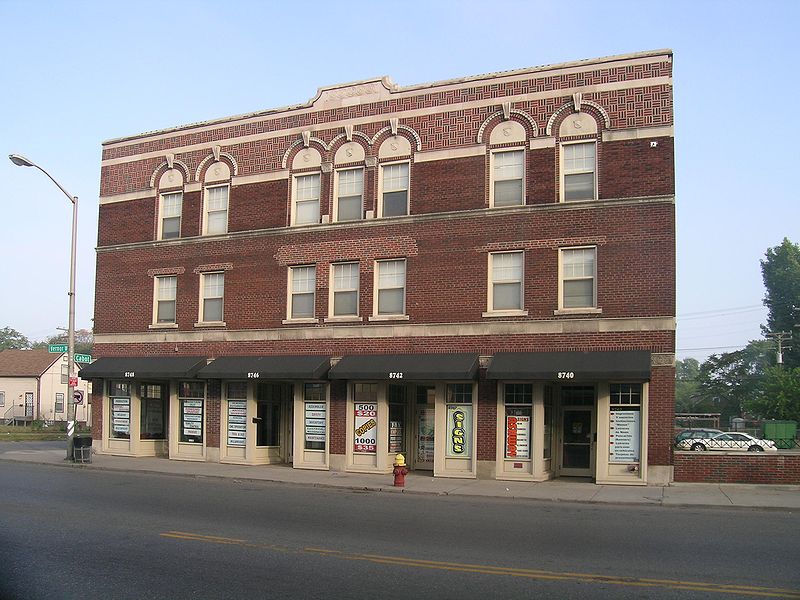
[9, 433]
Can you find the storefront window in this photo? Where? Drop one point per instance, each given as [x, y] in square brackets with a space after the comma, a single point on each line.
[120, 396]
[398, 403]
[154, 411]
[191, 396]
[459, 420]
[518, 398]
[625, 427]
[236, 394]
[314, 415]
[548, 422]
[365, 418]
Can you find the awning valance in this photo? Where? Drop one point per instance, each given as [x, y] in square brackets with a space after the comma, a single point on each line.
[266, 367]
[143, 367]
[406, 367]
[570, 366]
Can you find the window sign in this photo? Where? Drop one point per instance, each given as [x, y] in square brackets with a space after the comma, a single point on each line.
[366, 428]
[314, 416]
[237, 422]
[518, 432]
[459, 430]
[191, 396]
[121, 418]
[624, 437]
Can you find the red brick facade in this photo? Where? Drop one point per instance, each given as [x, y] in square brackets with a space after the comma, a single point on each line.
[445, 239]
[701, 467]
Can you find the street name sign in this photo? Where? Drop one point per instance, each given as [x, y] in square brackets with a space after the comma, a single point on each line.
[57, 348]
[83, 358]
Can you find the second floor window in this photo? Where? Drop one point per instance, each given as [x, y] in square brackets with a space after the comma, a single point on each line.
[394, 193]
[507, 178]
[344, 290]
[171, 208]
[216, 210]
[302, 286]
[166, 293]
[306, 200]
[505, 291]
[578, 274]
[391, 287]
[213, 295]
[349, 194]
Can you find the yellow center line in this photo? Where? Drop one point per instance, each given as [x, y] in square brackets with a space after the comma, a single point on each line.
[395, 561]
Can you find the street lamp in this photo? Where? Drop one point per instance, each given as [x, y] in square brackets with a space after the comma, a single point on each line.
[21, 161]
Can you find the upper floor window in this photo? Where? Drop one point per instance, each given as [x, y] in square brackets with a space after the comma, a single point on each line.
[302, 286]
[344, 290]
[505, 289]
[170, 220]
[390, 288]
[166, 294]
[349, 201]
[578, 171]
[212, 290]
[305, 205]
[65, 373]
[508, 176]
[394, 190]
[578, 275]
[216, 210]
[2, 398]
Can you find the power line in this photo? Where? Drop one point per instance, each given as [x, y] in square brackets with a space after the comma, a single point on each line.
[717, 310]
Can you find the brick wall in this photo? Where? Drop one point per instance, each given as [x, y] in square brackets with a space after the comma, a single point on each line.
[750, 467]
[661, 414]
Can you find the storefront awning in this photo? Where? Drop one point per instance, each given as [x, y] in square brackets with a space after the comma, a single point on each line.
[266, 367]
[143, 367]
[406, 367]
[570, 366]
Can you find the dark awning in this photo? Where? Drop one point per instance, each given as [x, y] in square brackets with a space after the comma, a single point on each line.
[143, 367]
[267, 367]
[406, 367]
[570, 366]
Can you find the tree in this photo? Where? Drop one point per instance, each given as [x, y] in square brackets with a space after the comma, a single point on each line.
[84, 340]
[687, 397]
[779, 397]
[733, 379]
[781, 274]
[11, 339]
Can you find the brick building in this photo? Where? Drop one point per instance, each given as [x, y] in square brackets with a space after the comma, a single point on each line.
[479, 273]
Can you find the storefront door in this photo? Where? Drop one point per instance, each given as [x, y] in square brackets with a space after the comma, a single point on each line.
[273, 433]
[424, 427]
[577, 431]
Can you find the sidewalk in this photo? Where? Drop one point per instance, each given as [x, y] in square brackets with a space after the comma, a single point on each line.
[786, 497]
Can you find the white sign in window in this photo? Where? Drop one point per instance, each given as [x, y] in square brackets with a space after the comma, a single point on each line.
[237, 422]
[518, 432]
[624, 436]
[365, 438]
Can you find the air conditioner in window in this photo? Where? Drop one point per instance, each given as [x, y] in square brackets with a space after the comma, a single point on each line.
[370, 214]
[326, 218]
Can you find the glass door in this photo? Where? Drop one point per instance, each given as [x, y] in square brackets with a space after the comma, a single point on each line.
[424, 423]
[577, 431]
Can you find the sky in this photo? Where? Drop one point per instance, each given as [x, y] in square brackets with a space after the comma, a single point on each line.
[78, 73]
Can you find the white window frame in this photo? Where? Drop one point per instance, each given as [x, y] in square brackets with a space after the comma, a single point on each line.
[381, 181]
[157, 282]
[206, 212]
[493, 179]
[161, 215]
[376, 316]
[332, 316]
[203, 298]
[504, 312]
[290, 294]
[336, 193]
[580, 309]
[295, 185]
[56, 401]
[563, 171]
[2, 398]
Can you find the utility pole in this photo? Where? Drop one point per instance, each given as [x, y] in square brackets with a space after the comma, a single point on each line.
[780, 337]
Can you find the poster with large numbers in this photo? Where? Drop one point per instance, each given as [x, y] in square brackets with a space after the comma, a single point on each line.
[237, 422]
[314, 423]
[121, 417]
[365, 438]
[518, 433]
[192, 421]
[624, 436]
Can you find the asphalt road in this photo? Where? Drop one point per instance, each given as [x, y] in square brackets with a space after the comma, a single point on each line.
[75, 533]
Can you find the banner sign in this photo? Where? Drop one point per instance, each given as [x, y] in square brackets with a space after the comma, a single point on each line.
[459, 431]
[518, 433]
[237, 423]
[192, 421]
[121, 416]
[624, 436]
[315, 421]
[365, 438]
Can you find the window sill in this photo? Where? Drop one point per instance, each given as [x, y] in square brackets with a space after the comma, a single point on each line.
[389, 318]
[163, 326]
[308, 321]
[505, 313]
[343, 319]
[578, 311]
[211, 324]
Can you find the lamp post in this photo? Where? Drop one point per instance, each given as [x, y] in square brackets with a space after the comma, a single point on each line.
[21, 161]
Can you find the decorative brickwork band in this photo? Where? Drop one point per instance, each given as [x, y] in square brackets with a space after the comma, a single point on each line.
[665, 359]
[210, 268]
[166, 271]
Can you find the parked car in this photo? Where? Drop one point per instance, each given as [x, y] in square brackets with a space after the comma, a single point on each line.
[727, 441]
[698, 433]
